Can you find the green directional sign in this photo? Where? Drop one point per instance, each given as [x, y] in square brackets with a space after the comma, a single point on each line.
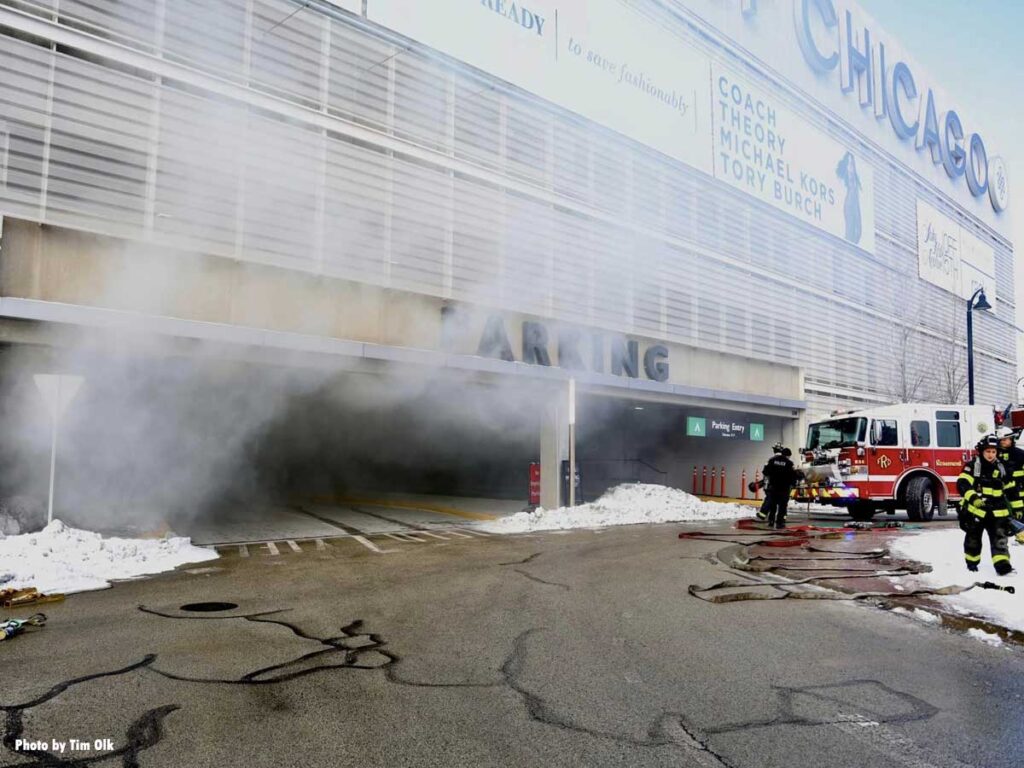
[757, 432]
[696, 426]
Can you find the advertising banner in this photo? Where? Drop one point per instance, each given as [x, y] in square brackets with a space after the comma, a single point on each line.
[841, 58]
[596, 58]
[767, 151]
[952, 258]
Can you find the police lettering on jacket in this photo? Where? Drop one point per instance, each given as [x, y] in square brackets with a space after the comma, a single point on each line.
[780, 472]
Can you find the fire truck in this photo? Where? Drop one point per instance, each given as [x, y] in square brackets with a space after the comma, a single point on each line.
[892, 457]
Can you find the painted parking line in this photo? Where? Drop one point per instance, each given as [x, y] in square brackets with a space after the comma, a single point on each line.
[276, 547]
[371, 546]
[404, 537]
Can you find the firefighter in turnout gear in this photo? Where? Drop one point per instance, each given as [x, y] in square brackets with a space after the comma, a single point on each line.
[1012, 458]
[762, 513]
[987, 490]
[780, 476]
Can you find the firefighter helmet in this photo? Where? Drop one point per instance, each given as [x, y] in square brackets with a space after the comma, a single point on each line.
[777, 448]
[988, 441]
[1004, 432]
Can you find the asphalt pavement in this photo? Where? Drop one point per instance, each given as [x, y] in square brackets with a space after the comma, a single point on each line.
[575, 648]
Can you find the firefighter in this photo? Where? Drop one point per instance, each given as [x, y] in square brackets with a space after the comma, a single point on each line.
[780, 477]
[1013, 459]
[986, 489]
[762, 513]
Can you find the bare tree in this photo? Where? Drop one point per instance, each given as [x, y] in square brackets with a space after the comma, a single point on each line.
[907, 376]
[951, 362]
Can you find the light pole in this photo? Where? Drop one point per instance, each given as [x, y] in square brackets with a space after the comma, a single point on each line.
[981, 303]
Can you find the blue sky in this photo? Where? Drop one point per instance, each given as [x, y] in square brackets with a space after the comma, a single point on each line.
[975, 50]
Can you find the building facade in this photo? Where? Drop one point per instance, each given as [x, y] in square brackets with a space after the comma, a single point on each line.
[769, 194]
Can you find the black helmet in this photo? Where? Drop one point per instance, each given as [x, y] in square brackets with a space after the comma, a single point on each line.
[988, 441]
[786, 452]
[777, 448]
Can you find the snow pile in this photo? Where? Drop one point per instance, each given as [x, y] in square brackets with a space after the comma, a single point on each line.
[622, 505]
[944, 552]
[62, 559]
[985, 637]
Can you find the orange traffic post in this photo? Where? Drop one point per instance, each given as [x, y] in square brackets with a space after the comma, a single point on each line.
[694, 479]
[704, 482]
[743, 484]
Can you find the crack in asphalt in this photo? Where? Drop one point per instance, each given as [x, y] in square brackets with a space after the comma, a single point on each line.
[917, 709]
[334, 645]
[668, 730]
[531, 558]
[147, 730]
[144, 732]
[539, 580]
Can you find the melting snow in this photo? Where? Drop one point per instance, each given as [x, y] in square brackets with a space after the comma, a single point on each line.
[622, 505]
[63, 559]
[985, 637]
[944, 552]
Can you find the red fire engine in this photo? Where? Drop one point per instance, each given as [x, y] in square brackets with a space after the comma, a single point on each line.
[893, 457]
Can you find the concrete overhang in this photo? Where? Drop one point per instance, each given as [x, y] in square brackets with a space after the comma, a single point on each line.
[30, 321]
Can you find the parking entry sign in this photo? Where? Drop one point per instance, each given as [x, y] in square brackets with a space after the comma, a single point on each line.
[757, 432]
[696, 426]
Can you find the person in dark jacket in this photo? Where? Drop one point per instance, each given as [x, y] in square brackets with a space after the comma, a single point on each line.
[762, 512]
[987, 491]
[780, 477]
[1013, 459]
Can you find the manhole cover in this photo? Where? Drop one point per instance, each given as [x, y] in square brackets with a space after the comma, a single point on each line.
[208, 607]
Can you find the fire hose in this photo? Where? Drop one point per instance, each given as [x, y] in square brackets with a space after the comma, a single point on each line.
[785, 594]
[802, 536]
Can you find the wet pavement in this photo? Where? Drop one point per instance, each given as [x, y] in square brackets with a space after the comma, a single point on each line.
[575, 648]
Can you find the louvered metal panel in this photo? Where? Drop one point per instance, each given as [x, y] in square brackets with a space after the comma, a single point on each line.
[207, 35]
[357, 193]
[133, 22]
[286, 49]
[358, 84]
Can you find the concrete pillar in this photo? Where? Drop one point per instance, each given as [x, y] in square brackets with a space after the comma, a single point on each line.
[794, 432]
[554, 448]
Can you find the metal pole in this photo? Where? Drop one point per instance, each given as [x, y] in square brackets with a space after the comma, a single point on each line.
[53, 453]
[970, 351]
[572, 442]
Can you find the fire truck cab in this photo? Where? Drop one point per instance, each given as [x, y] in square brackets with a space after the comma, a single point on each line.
[904, 456]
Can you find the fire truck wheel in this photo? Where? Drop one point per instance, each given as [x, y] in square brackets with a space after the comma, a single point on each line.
[862, 512]
[920, 499]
